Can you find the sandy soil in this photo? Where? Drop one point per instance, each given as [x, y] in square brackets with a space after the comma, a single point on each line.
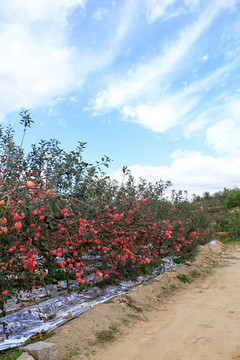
[166, 320]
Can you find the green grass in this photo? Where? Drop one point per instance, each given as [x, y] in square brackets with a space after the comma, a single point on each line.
[106, 335]
[207, 271]
[109, 301]
[71, 352]
[39, 337]
[11, 354]
[91, 343]
[133, 316]
[178, 261]
[125, 321]
[183, 278]
[195, 273]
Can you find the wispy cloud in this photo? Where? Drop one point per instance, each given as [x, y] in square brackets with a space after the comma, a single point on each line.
[204, 58]
[38, 62]
[127, 20]
[223, 135]
[181, 108]
[39, 10]
[154, 75]
[156, 9]
[161, 117]
[100, 13]
[167, 9]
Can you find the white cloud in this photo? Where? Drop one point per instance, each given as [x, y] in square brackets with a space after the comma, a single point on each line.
[42, 10]
[99, 14]
[204, 58]
[223, 136]
[153, 76]
[173, 109]
[73, 98]
[234, 109]
[192, 171]
[192, 3]
[207, 82]
[157, 9]
[195, 125]
[36, 64]
[30, 71]
[167, 9]
[128, 16]
[160, 117]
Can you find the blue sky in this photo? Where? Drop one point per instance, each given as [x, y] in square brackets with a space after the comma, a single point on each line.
[153, 84]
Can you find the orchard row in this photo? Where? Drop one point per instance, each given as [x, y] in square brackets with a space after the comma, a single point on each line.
[39, 236]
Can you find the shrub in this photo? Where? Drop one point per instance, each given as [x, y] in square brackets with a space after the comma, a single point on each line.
[233, 227]
[233, 199]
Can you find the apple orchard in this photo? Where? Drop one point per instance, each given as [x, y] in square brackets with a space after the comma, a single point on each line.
[58, 212]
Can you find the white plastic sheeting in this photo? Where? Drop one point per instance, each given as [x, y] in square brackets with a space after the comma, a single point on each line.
[51, 313]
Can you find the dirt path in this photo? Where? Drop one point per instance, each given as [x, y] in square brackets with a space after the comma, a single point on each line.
[202, 323]
[200, 320]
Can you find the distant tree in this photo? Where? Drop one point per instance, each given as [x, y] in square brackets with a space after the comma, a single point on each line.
[233, 199]
[207, 195]
[196, 198]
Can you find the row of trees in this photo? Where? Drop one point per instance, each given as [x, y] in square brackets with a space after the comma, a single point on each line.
[59, 212]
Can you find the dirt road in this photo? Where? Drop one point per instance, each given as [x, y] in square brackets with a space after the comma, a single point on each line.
[201, 323]
[166, 320]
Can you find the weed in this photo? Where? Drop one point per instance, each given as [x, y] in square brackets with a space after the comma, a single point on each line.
[125, 321]
[164, 288]
[133, 316]
[11, 354]
[178, 261]
[147, 269]
[138, 310]
[39, 337]
[147, 307]
[173, 286]
[113, 327]
[195, 273]
[72, 352]
[183, 278]
[91, 343]
[207, 271]
[109, 301]
[104, 336]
